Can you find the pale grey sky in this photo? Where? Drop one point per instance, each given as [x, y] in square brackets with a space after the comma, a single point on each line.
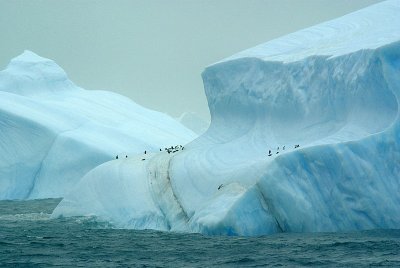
[152, 51]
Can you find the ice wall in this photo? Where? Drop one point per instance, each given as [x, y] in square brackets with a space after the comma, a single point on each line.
[338, 102]
[333, 89]
[53, 132]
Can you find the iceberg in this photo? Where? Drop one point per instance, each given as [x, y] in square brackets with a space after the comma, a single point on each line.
[304, 137]
[53, 132]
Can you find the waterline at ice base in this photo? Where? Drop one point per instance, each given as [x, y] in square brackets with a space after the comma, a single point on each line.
[304, 137]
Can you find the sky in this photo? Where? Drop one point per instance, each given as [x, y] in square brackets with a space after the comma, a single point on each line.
[152, 51]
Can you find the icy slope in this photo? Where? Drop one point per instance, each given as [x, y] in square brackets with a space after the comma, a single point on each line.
[52, 132]
[332, 89]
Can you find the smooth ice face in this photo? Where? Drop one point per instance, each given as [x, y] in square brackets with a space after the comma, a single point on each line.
[315, 101]
[112, 191]
[53, 132]
[333, 90]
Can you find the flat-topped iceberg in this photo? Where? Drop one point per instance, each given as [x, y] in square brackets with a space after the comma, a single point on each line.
[53, 132]
[304, 137]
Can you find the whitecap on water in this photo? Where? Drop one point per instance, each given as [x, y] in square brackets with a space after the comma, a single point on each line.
[26, 217]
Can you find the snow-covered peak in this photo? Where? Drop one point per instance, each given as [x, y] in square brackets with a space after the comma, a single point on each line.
[29, 56]
[29, 74]
[367, 28]
[52, 132]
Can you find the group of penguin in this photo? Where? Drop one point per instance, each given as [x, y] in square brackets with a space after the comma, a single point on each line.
[283, 149]
[172, 149]
[176, 148]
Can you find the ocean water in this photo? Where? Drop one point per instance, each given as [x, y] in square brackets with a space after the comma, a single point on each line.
[29, 238]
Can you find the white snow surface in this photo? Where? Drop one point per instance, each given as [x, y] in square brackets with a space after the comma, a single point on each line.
[337, 37]
[332, 89]
[53, 132]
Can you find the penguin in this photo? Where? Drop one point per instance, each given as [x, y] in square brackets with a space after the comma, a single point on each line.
[219, 187]
[116, 157]
[145, 152]
[126, 156]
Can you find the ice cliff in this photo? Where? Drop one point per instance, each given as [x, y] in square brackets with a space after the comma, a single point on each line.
[333, 89]
[53, 132]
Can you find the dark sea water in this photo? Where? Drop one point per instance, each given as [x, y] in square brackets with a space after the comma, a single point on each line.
[29, 238]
